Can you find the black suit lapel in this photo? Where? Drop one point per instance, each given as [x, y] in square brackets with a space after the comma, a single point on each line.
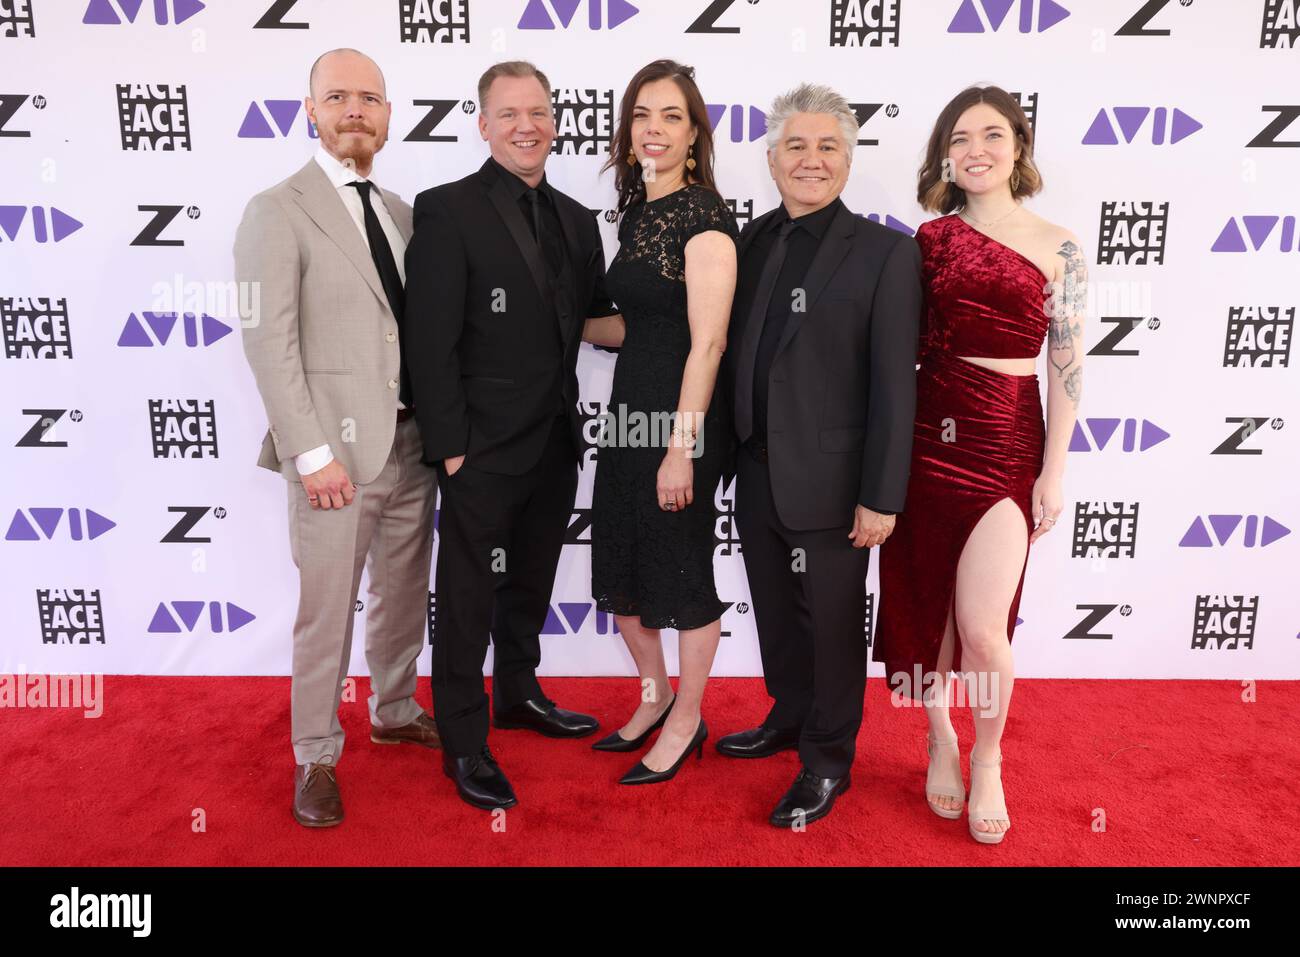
[834, 247]
[513, 217]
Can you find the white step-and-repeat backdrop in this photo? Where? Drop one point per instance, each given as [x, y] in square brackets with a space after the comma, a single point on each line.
[139, 537]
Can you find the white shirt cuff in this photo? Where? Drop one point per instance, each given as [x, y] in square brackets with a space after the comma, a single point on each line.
[313, 460]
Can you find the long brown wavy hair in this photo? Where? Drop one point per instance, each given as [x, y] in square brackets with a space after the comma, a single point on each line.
[628, 178]
[938, 195]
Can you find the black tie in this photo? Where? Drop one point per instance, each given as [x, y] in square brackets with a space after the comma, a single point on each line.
[545, 242]
[386, 265]
[744, 408]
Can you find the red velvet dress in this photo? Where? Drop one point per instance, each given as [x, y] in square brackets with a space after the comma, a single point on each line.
[982, 299]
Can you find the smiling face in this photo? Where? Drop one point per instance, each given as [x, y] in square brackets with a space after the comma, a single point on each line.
[517, 122]
[810, 163]
[982, 150]
[662, 131]
[349, 106]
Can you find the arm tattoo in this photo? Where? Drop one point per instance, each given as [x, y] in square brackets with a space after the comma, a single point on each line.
[1062, 331]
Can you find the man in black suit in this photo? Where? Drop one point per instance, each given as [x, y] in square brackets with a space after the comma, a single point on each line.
[502, 271]
[820, 368]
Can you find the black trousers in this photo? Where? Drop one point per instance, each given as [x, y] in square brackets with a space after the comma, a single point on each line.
[809, 591]
[500, 538]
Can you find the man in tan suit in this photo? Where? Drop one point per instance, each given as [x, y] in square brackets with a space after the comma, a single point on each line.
[325, 248]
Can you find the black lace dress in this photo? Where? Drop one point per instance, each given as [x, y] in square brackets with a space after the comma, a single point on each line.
[646, 561]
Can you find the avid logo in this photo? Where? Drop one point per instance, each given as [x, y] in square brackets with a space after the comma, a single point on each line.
[1258, 531]
[1105, 529]
[1170, 125]
[1267, 137]
[273, 19]
[864, 112]
[869, 618]
[52, 225]
[742, 209]
[1132, 233]
[172, 618]
[1121, 327]
[155, 328]
[1225, 621]
[41, 524]
[438, 110]
[569, 618]
[151, 234]
[10, 103]
[153, 116]
[890, 221]
[183, 428]
[1094, 616]
[110, 12]
[1246, 426]
[434, 21]
[264, 117]
[864, 23]
[1139, 25]
[35, 328]
[1258, 336]
[737, 129]
[41, 434]
[16, 19]
[70, 616]
[191, 515]
[1259, 229]
[1029, 103]
[583, 121]
[1094, 435]
[1281, 28]
[988, 16]
[559, 14]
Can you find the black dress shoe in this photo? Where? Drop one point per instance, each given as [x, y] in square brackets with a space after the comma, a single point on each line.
[643, 775]
[809, 799]
[757, 742]
[616, 742]
[542, 716]
[479, 780]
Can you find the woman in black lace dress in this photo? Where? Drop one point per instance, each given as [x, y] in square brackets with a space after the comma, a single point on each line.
[663, 444]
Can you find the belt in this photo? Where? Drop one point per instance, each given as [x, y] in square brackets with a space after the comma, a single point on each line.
[756, 446]
[404, 414]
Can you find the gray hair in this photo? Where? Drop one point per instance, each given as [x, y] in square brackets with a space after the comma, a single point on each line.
[812, 98]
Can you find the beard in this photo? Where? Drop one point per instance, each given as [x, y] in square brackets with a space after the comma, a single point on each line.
[360, 149]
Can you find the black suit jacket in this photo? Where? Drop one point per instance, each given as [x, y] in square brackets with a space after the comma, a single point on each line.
[490, 342]
[842, 387]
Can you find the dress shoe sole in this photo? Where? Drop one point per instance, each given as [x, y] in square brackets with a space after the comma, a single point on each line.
[808, 819]
[757, 754]
[306, 823]
[424, 744]
[485, 805]
[508, 725]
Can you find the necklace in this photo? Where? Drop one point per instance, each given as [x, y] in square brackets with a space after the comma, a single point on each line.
[993, 222]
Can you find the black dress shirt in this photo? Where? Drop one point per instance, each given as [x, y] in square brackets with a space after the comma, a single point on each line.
[802, 245]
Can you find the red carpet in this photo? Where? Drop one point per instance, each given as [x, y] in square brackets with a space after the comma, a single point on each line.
[1185, 772]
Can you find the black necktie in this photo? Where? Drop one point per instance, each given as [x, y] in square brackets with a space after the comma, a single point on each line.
[391, 279]
[545, 242]
[744, 408]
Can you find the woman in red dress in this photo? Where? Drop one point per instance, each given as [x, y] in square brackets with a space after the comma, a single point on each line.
[986, 470]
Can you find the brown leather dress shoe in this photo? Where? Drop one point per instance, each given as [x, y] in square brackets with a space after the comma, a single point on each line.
[421, 731]
[316, 801]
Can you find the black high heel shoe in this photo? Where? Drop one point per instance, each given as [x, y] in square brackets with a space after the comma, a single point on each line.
[616, 742]
[643, 775]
